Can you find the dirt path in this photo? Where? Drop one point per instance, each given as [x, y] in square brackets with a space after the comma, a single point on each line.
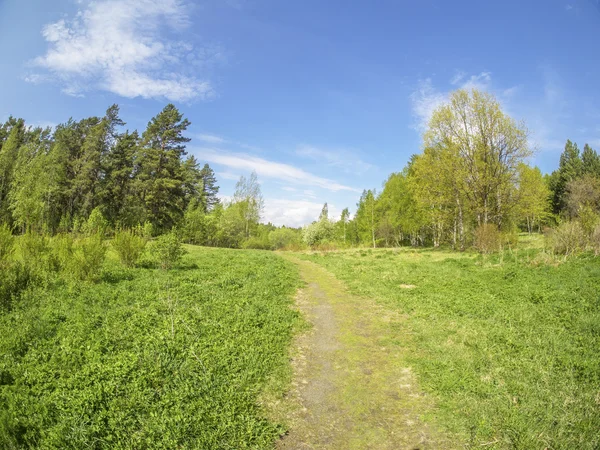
[351, 389]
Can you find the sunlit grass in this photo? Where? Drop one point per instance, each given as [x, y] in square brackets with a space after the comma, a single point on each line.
[508, 345]
[147, 358]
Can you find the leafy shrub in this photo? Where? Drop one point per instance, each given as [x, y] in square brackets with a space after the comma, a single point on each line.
[61, 251]
[148, 230]
[488, 238]
[283, 237]
[588, 219]
[35, 252]
[96, 223]
[567, 239]
[129, 246]
[257, 244]
[89, 256]
[318, 232]
[7, 244]
[167, 250]
[14, 278]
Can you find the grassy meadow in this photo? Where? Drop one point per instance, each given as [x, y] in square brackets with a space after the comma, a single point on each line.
[148, 358]
[507, 344]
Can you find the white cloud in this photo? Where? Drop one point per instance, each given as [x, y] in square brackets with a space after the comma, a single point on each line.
[268, 169]
[121, 46]
[426, 98]
[211, 138]
[228, 176]
[294, 213]
[340, 158]
[458, 77]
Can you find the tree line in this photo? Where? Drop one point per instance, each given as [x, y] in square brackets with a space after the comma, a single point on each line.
[471, 185]
[55, 180]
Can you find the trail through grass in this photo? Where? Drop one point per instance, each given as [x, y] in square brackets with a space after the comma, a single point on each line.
[352, 388]
[507, 347]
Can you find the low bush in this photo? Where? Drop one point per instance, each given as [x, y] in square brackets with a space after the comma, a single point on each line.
[284, 237]
[567, 239]
[7, 244]
[96, 223]
[257, 244]
[488, 238]
[89, 256]
[61, 251]
[129, 246]
[14, 278]
[167, 250]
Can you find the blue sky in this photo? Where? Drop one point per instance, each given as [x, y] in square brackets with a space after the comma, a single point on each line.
[321, 98]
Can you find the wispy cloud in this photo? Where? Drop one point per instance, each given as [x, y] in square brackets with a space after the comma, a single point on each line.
[268, 169]
[121, 46]
[425, 100]
[228, 176]
[211, 139]
[295, 213]
[344, 159]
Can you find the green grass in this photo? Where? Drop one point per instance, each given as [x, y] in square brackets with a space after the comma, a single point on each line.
[147, 358]
[508, 347]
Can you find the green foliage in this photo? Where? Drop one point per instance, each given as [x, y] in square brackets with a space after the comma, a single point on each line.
[167, 250]
[488, 238]
[567, 239]
[501, 343]
[89, 255]
[129, 245]
[318, 232]
[258, 243]
[284, 237]
[96, 223]
[34, 249]
[7, 244]
[14, 279]
[62, 247]
[151, 359]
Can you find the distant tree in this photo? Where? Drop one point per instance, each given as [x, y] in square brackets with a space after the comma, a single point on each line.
[534, 196]
[324, 213]
[366, 217]
[590, 161]
[210, 190]
[570, 167]
[249, 200]
[484, 147]
[8, 157]
[117, 196]
[344, 218]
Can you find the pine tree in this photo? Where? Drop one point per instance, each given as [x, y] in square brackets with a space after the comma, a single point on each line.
[570, 168]
[590, 161]
[116, 197]
[210, 189]
[159, 169]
